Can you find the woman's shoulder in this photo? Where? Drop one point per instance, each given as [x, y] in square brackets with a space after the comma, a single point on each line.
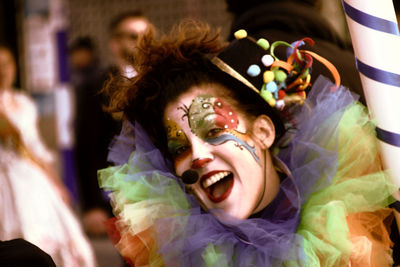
[23, 99]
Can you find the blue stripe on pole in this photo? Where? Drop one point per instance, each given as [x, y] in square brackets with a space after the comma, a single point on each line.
[379, 75]
[388, 137]
[370, 21]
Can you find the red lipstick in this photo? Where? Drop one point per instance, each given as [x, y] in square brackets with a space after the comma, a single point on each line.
[224, 185]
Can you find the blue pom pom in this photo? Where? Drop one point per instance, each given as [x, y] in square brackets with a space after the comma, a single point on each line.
[272, 87]
[253, 70]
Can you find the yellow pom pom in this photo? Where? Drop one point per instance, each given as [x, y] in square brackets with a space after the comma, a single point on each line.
[272, 102]
[268, 76]
[240, 34]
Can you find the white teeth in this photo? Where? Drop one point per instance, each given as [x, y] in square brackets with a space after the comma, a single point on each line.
[213, 179]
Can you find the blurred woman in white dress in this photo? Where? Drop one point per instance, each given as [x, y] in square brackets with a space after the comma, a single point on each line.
[33, 200]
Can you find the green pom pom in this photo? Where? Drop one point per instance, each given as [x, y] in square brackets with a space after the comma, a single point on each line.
[280, 76]
[263, 43]
[266, 94]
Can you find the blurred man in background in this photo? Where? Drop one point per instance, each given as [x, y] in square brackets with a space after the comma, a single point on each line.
[95, 128]
[124, 31]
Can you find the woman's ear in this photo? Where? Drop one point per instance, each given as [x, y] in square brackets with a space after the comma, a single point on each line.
[264, 131]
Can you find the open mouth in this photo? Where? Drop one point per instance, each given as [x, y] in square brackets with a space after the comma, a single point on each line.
[218, 185]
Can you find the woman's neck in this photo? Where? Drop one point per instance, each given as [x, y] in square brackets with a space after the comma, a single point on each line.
[271, 183]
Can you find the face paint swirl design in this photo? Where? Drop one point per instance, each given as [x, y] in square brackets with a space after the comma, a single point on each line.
[232, 136]
[216, 123]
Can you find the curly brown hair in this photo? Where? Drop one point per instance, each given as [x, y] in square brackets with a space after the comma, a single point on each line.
[167, 67]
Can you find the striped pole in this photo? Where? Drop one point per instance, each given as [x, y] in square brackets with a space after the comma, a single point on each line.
[376, 42]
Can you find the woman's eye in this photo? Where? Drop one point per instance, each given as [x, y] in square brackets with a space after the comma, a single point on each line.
[180, 150]
[214, 132]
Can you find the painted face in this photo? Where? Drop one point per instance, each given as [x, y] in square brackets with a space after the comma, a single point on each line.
[209, 135]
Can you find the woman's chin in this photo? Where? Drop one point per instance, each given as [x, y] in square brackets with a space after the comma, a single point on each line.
[228, 215]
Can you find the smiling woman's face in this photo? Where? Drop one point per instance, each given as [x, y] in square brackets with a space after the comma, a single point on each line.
[208, 134]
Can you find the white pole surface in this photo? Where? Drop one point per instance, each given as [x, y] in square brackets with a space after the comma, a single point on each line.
[376, 42]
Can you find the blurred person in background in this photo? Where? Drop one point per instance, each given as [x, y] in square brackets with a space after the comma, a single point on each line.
[124, 32]
[293, 20]
[84, 61]
[93, 130]
[33, 200]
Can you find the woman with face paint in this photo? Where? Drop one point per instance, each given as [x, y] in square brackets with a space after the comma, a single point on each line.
[224, 161]
[207, 134]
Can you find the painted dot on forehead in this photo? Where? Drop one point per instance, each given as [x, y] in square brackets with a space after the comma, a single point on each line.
[205, 105]
[225, 115]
